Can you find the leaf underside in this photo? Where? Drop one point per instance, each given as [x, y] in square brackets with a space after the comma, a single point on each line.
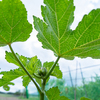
[55, 34]
[14, 26]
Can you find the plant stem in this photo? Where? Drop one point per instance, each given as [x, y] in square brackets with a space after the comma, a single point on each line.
[37, 76]
[43, 89]
[52, 68]
[45, 78]
[17, 59]
[42, 96]
[43, 84]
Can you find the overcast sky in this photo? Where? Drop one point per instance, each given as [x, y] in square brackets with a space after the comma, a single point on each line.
[33, 47]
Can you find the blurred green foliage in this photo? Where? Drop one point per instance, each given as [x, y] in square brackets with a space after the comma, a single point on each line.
[92, 88]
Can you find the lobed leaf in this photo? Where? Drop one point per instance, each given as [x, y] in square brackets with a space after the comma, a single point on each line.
[87, 36]
[32, 65]
[6, 87]
[9, 76]
[54, 94]
[55, 34]
[10, 58]
[54, 29]
[29, 63]
[14, 26]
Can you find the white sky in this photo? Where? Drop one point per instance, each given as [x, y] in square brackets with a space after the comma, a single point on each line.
[32, 47]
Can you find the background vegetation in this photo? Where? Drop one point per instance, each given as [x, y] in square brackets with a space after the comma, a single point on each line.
[92, 89]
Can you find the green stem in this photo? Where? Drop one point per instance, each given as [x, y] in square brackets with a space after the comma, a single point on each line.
[43, 85]
[37, 76]
[52, 68]
[25, 69]
[43, 89]
[42, 96]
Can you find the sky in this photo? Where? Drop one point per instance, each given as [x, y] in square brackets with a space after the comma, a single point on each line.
[33, 47]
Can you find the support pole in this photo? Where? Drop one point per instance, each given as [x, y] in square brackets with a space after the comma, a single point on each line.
[27, 95]
[71, 78]
[83, 80]
[76, 82]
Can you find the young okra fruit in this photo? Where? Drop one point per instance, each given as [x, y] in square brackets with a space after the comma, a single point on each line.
[42, 71]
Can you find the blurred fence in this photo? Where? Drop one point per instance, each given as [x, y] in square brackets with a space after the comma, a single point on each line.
[83, 81]
[81, 74]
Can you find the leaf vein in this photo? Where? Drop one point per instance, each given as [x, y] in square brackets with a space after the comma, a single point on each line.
[66, 25]
[51, 27]
[47, 40]
[57, 27]
[86, 29]
[81, 47]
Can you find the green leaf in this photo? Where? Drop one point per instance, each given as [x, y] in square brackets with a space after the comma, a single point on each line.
[14, 26]
[56, 72]
[31, 64]
[54, 94]
[84, 98]
[10, 58]
[35, 64]
[54, 29]
[26, 80]
[87, 35]
[9, 76]
[6, 87]
[55, 34]
[39, 81]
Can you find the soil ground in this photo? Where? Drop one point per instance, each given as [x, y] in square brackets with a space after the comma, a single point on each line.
[8, 98]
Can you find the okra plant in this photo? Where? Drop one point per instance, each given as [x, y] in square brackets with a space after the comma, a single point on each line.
[54, 33]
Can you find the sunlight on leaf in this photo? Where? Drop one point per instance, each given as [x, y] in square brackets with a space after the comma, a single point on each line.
[55, 34]
[14, 25]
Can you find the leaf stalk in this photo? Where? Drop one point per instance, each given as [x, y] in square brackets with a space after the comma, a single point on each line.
[43, 89]
[17, 59]
[40, 77]
[52, 68]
